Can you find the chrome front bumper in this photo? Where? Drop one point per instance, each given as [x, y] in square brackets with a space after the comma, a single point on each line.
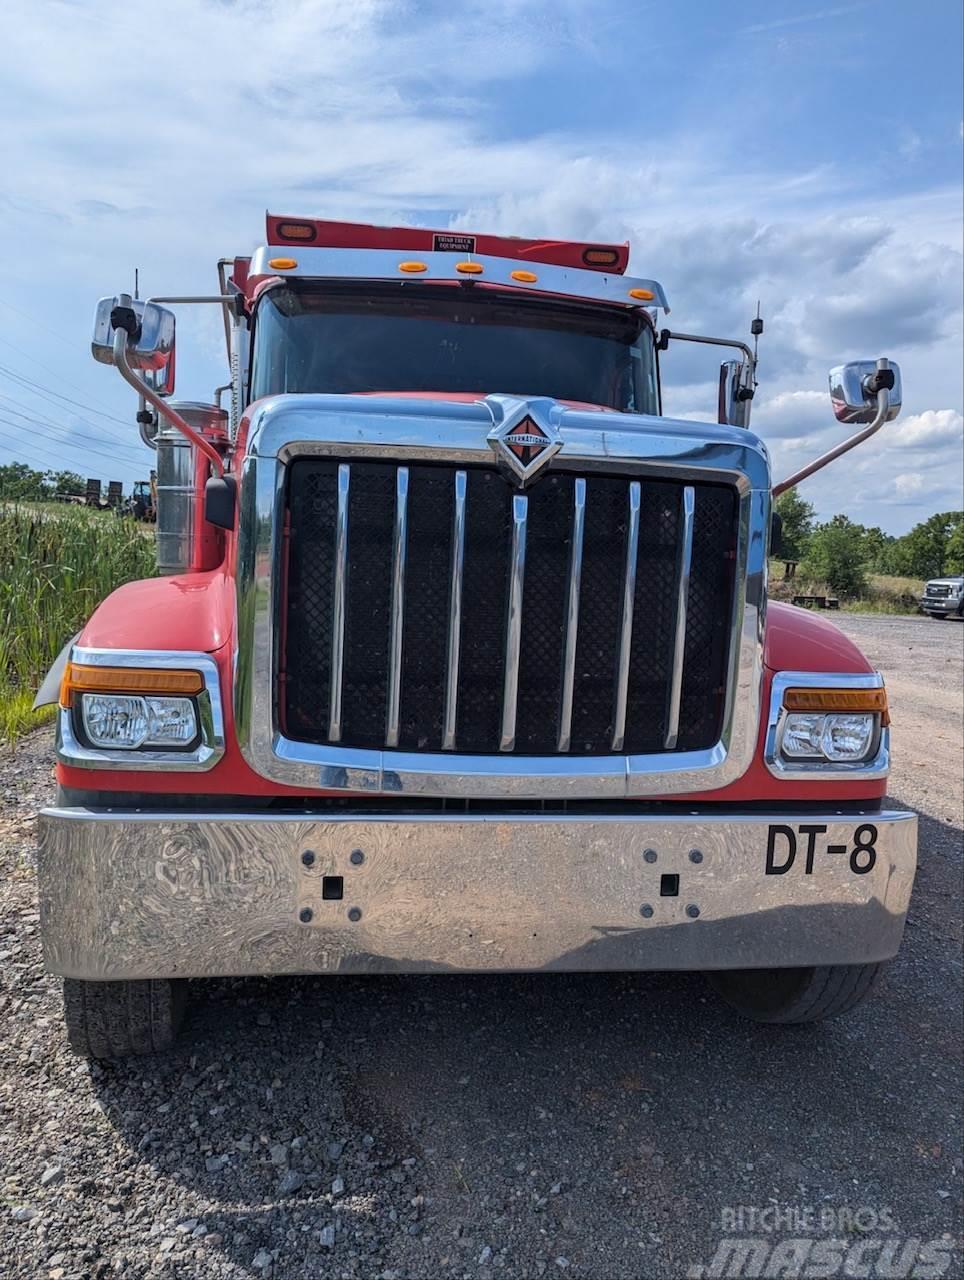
[135, 894]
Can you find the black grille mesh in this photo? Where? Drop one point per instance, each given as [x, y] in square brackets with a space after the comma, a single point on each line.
[307, 644]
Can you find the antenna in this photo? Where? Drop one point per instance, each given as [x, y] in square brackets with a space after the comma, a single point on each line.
[756, 328]
[137, 277]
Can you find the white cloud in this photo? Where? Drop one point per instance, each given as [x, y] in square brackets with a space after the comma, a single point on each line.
[163, 152]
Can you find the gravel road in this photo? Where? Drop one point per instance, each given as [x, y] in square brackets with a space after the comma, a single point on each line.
[416, 1128]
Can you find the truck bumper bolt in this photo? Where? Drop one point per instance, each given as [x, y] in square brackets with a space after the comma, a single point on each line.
[356, 857]
[306, 915]
[695, 855]
[692, 911]
[649, 855]
[646, 911]
[308, 858]
[354, 914]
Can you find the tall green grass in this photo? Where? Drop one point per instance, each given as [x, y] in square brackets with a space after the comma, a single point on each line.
[56, 565]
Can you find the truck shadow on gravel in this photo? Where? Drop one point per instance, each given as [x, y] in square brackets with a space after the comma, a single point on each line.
[311, 1126]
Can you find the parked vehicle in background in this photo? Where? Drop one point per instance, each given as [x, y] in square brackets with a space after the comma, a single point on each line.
[463, 658]
[944, 597]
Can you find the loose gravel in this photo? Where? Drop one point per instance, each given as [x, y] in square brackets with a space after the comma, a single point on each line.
[411, 1128]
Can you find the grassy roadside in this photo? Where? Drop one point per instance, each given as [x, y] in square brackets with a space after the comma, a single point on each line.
[885, 593]
[56, 564]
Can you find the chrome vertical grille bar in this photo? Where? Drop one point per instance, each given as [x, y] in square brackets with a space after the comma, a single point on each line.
[682, 602]
[455, 613]
[399, 553]
[513, 638]
[626, 629]
[572, 614]
[338, 604]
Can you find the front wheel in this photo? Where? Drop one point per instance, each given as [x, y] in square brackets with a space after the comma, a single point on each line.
[118, 1019]
[796, 995]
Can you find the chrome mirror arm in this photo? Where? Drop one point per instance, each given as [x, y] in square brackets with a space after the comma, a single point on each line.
[121, 362]
[883, 408]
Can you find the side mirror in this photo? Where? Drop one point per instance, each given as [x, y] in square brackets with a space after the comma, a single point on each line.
[735, 393]
[150, 338]
[854, 388]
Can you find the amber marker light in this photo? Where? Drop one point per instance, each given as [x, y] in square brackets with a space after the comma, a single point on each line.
[524, 277]
[600, 257]
[469, 268]
[412, 267]
[842, 700]
[644, 295]
[282, 264]
[297, 231]
[78, 679]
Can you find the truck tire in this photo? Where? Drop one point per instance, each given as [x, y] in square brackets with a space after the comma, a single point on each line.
[796, 995]
[117, 1019]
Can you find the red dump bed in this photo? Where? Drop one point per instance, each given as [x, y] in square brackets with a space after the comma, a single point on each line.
[611, 258]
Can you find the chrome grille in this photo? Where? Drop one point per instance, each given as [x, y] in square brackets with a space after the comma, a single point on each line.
[437, 608]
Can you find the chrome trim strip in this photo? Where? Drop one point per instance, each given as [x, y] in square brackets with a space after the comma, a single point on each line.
[382, 264]
[455, 613]
[682, 604]
[399, 555]
[626, 627]
[513, 633]
[134, 894]
[338, 604]
[876, 766]
[71, 751]
[572, 612]
[406, 430]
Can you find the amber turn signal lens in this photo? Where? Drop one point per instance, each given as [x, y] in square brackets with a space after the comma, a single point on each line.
[78, 679]
[838, 700]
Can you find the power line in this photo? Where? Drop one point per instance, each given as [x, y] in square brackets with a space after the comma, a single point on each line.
[85, 449]
[33, 360]
[48, 424]
[39, 389]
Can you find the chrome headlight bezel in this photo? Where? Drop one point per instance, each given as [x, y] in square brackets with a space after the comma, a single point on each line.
[201, 755]
[875, 764]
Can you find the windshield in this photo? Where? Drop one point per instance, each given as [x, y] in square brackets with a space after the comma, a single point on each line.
[429, 338]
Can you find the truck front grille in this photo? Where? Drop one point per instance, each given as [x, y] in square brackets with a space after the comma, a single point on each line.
[431, 608]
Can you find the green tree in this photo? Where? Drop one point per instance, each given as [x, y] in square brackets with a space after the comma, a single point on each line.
[836, 556]
[21, 483]
[66, 482]
[798, 519]
[932, 548]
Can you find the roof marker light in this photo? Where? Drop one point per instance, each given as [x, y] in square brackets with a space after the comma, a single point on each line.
[412, 267]
[644, 295]
[526, 277]
[600, 257]
[282, 264]
[469, 268]
[297, 231]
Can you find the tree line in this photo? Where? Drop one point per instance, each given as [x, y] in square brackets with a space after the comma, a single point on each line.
[842, 553]
[21, 483]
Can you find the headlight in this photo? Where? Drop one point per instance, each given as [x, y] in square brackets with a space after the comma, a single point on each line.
[834, 737]
[129, 722]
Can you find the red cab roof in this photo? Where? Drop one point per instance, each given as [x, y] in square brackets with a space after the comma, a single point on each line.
[611, 258]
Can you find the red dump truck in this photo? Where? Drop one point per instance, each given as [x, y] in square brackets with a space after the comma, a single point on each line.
[460, 657]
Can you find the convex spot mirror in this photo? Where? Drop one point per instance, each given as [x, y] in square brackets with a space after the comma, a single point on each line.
[853, 394]
[150, 345]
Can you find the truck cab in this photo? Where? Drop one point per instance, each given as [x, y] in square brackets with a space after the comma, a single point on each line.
[461, 659]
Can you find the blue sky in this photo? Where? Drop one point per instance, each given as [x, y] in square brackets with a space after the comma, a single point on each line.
[806, 154]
